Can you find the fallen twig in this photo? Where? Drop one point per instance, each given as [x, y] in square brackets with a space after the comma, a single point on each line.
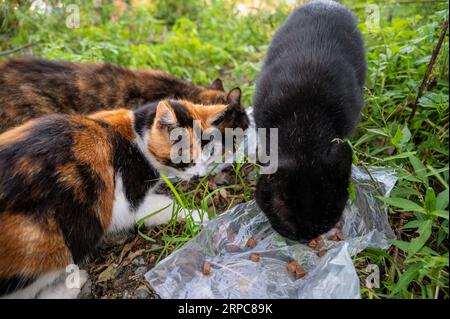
[5, 53]
[429, 70]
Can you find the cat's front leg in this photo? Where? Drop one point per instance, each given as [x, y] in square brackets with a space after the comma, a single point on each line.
[62, 289]
[159, 209]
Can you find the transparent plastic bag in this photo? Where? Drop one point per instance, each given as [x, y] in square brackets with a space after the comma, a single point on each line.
[223, 242]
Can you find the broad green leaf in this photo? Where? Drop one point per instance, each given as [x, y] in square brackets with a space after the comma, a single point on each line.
[442, 200]
[405, 279]
[404, 204]
[403, 245]
[412, 224]
[419, 168]
[417, 243]
[430, 200]
[377, 131]
[399, 156]
[398, 137]
[352, 191]
[401, 137]
[440, 213]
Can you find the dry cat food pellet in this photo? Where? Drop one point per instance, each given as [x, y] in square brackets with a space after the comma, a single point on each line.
[255, 257]
[319, 242]
[316, 243]
[322, 253]
[251, 243]
[333, 238]
[312, 244]
[206, 268]
[340, 235]
[295, 268]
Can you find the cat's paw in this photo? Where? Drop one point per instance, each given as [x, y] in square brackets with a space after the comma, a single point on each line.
[197, 216]
[61, 290]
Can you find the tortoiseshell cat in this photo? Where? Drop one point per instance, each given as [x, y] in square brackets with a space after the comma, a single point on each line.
[31, 87]
[66, 180]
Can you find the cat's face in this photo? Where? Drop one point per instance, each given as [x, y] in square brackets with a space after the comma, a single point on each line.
[305, 199]
[174, 139]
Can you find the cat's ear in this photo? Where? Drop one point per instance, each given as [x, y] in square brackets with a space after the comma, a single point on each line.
[217, 85]
[234, 96]
[165, 115]
[218, 116]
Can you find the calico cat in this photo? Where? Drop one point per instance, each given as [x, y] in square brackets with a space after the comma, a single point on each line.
[31, 87]
[311, 89]
[67, 180]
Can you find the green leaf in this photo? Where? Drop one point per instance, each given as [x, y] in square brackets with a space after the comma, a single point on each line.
[401, 137]
[419, 168]
[425, 232]
[405, 279]
[440, 213]
[352, 191]
[398, 137]
[399, 156]
[412, 224]
[403, 245]
[404, 204]
[430, 200]
[377, 131]
[174, 191]
[442, 200]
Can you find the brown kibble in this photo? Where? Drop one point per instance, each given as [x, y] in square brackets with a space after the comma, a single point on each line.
[333, 238]
[338, 225]
[322, 253]
[255, 258]
[251, 243]
[291, 266]
[295, 268]
[319, 242]
[340, 235]
[206, 268]
[312, 244]
[300, 272]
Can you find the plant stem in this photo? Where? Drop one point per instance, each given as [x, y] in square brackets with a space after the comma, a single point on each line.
[429, 70]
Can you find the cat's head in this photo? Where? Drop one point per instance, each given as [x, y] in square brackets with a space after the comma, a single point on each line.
[215, 93]
[174, 137]
[306, 196]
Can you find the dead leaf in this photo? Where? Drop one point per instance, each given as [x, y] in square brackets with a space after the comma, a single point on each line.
[131, 256]
[223, 192]
[107, 274]
[126, 249]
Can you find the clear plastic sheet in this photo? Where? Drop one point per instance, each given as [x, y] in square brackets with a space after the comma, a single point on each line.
[223, 241]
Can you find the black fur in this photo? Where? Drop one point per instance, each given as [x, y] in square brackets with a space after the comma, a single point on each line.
[311, 89]
[9, 285]
[138, 176]
[42, 195]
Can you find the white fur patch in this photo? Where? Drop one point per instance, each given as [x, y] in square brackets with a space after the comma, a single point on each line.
[124, 218]
[36, 287]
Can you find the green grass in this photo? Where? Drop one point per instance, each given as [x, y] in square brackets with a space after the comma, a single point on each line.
[201, 42]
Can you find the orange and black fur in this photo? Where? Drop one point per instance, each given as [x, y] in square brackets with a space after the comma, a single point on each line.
[67, 180]
[32, 87]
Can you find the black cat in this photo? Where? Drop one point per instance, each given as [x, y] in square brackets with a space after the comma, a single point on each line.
[311, 89]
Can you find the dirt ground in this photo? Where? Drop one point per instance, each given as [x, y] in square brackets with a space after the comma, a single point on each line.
[117, 270]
